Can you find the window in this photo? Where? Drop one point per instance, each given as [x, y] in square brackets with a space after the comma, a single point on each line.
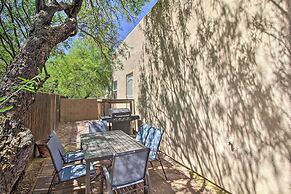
[114, 89]
[129, 86]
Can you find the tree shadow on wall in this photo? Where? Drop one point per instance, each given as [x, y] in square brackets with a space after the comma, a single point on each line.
[218, 87]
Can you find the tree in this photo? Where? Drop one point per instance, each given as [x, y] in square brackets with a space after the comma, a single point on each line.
[81, 73]
[53, 22]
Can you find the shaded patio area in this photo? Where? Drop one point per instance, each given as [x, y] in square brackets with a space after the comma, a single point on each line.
[39, 174]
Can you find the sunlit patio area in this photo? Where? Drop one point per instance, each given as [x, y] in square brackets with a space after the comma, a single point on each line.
[145, 96]
[40, 172]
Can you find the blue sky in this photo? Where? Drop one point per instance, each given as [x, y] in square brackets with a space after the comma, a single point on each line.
[127, 27]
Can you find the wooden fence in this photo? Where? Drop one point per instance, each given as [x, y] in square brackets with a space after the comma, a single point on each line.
[48, 110]
[43, 115]
[90, 109]
[78, 109]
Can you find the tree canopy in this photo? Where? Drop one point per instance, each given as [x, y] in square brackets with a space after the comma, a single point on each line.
[80, 73]
[98, 19]
[15, 20]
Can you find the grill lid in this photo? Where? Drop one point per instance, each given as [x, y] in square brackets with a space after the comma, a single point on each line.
[119, 112]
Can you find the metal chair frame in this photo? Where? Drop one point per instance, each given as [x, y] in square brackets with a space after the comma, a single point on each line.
[145, 180]
[56, 172]
[62, 150]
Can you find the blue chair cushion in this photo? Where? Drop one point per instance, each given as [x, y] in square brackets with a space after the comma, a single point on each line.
[73, 172]
[105, 124]
[73, 156]
[150, 137]
[155, 143]
[97, 126]
[142, 133]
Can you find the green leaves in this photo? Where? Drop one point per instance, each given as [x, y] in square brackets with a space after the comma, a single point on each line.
[29, 85]
[15, 21]
[5, 109]
[86, 70]
[97, 19]
[83, 72]
[2, 101]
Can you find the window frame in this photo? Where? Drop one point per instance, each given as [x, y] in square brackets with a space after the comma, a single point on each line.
[128, 78]
[114, 89]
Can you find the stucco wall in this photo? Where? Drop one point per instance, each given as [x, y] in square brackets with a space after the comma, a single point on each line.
[130, 64]
[216, 76]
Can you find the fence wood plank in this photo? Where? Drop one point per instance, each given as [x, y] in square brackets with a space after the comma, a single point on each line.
[42, 117]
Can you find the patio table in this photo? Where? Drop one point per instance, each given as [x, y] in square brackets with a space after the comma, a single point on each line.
[103, 145]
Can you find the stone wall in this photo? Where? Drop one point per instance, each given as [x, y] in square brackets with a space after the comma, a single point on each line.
[216, 76]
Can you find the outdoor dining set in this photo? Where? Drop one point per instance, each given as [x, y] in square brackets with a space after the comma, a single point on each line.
[128, 158]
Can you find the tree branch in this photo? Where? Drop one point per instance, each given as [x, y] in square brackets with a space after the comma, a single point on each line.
[4, 46]
[7, 39]
[2, 7]
[7, 5]
[124, 7]
[21, 21]
[65, 30]
[3, 59]
[98, 42]
[76, 8]
[25, 12]
[39, 5]
[42, 81]
[284, 12]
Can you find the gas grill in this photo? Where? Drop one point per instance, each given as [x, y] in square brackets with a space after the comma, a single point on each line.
[119, 119]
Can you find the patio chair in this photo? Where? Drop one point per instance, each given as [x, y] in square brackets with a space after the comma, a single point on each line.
[128, 172]
[153, 137]
[64, 173]
[97, 126]
[67, 157]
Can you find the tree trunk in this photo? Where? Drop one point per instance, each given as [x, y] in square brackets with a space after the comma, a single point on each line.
[16, 142]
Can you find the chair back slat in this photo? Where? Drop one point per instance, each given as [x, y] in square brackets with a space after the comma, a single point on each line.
[129, 167]
[97, 126]
[55, 154]
[58, 143]
[143, 132]
[149, 138]
[153, 142]
[105, 124]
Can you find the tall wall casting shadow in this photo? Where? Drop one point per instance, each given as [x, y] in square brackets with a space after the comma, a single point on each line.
[216, 76]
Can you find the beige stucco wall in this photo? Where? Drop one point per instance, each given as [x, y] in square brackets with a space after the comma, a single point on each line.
[130, 64]
[216, 76]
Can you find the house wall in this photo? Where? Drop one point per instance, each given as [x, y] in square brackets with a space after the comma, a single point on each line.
[130, 63]
[216, 76]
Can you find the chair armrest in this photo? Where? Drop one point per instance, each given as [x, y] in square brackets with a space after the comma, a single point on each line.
[74, 151]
